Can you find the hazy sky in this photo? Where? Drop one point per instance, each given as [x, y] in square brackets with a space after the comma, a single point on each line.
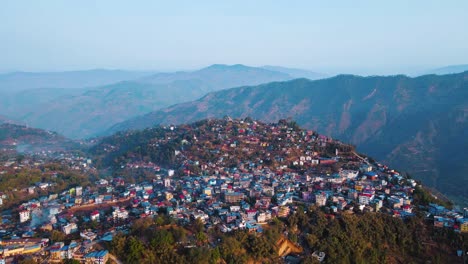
[347, 36]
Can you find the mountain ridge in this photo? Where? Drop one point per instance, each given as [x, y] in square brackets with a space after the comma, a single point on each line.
[84, 112]
[388, 117]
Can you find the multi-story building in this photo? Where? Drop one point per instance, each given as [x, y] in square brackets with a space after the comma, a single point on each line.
[320, 199]
[233, 197]
[70, 228]
[365, 198]
[24, 216]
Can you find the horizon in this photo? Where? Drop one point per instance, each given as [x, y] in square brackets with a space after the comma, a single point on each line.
[421, 72]
[363, 38]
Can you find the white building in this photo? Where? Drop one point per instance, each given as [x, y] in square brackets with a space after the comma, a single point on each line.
[70, 228]
[320, 199]
[94, 216]
[365, 198]
[167, 182]
[119, 213]
[79, 191]
[24, 216]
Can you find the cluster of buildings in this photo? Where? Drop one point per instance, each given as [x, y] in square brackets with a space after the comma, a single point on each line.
[277, 167]
[452, 219]
[37, 162]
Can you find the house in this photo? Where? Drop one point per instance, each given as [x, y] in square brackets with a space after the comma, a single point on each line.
[94, 216]
[24, 216]
[231, 217]
[169, 196]
[56, 251]
[119, 213]
[69, 228]
[464, 226]
[365, 198]
[376, 204]
[233, 197]
[436, 209]
[262, 217]
[407, 208]
[342, 204]
[320, 199]
[251, 214]
[283, 211]
[439, 221]
[234, 208]
[208, 191]
[96, 257]
[79, 191]
[167, 182]
[352, 194]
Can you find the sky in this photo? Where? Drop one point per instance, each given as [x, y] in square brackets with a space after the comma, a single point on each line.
[363, 37]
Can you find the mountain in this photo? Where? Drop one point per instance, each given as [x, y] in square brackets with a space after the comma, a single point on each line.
[16, 104]
[26, 139]
[449, 69]
[85, 112]
[217, 159]
[220, 76]
[296, 73]
[17, 81]
[416, 124]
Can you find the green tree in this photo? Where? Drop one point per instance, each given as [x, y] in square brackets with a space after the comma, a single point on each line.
[162, 241]
[202, 238]
[134, 250]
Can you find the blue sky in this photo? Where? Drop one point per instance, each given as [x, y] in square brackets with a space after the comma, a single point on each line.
[366, 37]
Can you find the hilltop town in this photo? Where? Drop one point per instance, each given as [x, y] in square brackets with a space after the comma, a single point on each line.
[215, 176]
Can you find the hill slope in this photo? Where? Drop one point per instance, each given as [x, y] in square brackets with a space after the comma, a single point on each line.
[26, 139]
[79, 113]
[417, 124]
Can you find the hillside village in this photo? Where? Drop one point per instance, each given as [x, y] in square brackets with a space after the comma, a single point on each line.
[228, 174]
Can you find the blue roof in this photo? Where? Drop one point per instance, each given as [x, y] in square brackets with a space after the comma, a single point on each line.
[97, 254]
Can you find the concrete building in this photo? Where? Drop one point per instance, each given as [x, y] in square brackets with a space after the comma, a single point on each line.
[24, 216]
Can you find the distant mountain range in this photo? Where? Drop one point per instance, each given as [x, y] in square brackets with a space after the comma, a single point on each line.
[84, 112]
[449, 69]
[17, 81]
[416, 124]
[297, 73]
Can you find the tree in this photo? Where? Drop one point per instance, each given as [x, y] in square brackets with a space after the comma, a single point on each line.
[198, 225]
[162, 242]
[118, 245]
[134, 250]
[57, 236]
[215, 255]
[202, 238]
